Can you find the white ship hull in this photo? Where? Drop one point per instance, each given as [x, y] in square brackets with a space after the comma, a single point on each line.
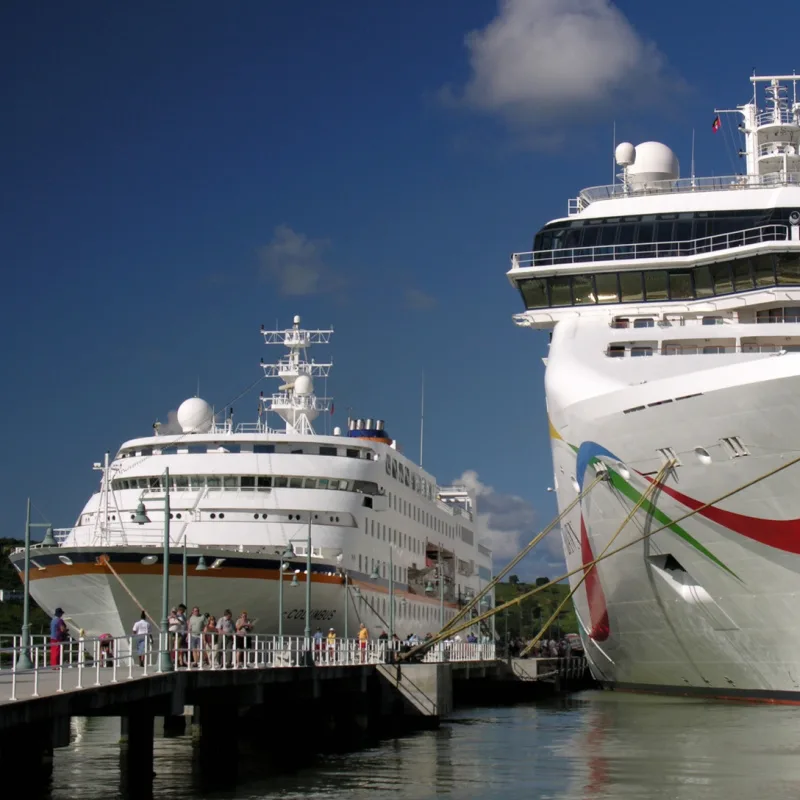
[99, 600]
[709, 605]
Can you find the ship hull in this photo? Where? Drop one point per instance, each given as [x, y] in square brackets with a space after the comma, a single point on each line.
[105, 590]
[701, 605]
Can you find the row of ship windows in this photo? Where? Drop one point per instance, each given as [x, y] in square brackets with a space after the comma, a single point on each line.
[244, 482]
[621, 349]
[416, 611]
[415, 482]
[685, 226]
[86, 519]
[709, 280]
[247, 447]
[429, 520]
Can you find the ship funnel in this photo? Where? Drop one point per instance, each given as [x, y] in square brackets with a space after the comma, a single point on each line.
[368, 424]
[359, 424]
[379, 423]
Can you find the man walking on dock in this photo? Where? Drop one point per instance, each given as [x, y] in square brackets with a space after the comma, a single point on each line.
[58, 634]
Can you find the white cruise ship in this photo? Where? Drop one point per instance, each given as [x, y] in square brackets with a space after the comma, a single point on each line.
[244, 499]
[674, 310]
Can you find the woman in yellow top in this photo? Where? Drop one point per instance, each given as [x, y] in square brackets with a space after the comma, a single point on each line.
[363, 638]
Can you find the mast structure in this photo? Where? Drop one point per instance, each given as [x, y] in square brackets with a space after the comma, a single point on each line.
[295, 401]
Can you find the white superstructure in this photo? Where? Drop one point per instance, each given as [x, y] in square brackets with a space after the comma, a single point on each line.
[674, 306]
[240, 494]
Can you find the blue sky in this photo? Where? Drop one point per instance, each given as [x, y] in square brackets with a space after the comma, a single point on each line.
[176, 174]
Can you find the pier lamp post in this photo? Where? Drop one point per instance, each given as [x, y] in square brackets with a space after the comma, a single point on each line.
[24, 658]
[441, 590]
[287, 553]
[140, 518]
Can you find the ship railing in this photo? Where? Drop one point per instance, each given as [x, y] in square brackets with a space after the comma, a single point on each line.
[612, 191]
[781, 116]
[56, 667]
[777, 149]
[651, 250]
[707, 320]
[638, 351]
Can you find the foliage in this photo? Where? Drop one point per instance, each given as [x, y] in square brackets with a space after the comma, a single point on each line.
[513, 579]
[526, 618]
[11, 613]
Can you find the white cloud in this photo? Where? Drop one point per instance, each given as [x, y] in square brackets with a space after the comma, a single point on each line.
[417, 300]
[539, 61]
[506, 523]
[296, 264]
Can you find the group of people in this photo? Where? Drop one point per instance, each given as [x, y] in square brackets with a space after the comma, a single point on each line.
[199, 637]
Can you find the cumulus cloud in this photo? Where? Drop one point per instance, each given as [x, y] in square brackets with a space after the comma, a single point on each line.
[543, 59]
[506, 523]
[417, 300]
[296, 263]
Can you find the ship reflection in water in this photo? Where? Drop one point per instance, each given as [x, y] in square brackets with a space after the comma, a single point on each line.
[598, 746]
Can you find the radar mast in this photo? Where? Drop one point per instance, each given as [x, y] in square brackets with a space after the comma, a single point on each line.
[295, 401]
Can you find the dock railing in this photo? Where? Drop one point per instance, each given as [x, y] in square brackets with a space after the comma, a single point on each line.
[83, 663]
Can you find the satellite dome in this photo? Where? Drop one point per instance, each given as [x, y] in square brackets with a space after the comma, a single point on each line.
[195, 416]
[303, 386]
[653, 162]
[625, 154]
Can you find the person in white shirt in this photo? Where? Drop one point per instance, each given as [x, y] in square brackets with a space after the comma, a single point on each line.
[141, 630]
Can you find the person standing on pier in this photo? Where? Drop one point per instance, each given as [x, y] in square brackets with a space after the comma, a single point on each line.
[58, 634]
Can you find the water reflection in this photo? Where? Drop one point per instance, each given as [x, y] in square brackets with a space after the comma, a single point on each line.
[597, 747]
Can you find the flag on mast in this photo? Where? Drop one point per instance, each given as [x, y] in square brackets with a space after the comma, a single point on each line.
[716, 125]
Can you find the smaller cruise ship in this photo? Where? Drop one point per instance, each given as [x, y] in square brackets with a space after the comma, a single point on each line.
[389, 546]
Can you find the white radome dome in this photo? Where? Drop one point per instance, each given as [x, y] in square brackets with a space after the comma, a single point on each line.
[303, 386]
[625, 154]
[195, 416]
[654, 162]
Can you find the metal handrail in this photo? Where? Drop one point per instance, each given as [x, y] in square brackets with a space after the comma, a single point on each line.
[777, 149]
[698, 350]
[682, 185]
[690, 247]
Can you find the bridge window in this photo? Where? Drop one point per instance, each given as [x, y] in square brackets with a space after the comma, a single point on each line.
[721, 275]
[763, 270]
[742, 279]
[631, 287]
[583, 289]
[655, 284]
[534, 292]
[607, 287]
[560, 292]
[703, 286]
[327, 451]
[788, 269]
[680, 285]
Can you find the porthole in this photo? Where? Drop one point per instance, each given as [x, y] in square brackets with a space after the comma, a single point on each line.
[133, 516]
[147, 560]
[263, 516]
[171, 515]
[337, 519]
[255, 516]
[221, 515]
[622, 469]
[178, 515]
[703, 456]
[65, 560]
[212, 515]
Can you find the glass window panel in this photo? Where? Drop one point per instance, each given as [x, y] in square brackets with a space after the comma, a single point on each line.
[641, 351]
[763, 271]
[279, 482]
[248, 481]
[655, 285]
[680, 285]
[742, 280]
[644, 322]
[721, 276]
[791, 314]
[626, 234]
[702, 282]
[788, 269]
[182, 482]
[607, 289]
[534, 292]
[608, 235]
[560, 292]
[212, 481]
[583, 289]
[590, 236]
[196, 482]
[645, 232]
[631, 286]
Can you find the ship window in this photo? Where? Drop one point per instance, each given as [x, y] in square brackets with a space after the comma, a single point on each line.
[196, 482]
[182, 483]
[327, 451]
[560, 294]
[394, 468]
[788, 269]
[655, 285]
[229, 481]
[534, 292]
[323, 483]
[248, 481]
[607, 288]
[265, 483]
[263, 448]
[645, 233]
[583, 289]
[154, 483]
[763, 272]
[352, 453]
[680, 286]
[277, 482]
[644, 322]
[702, 282]
[712, 320]
[295, 483]
[616, 351]
[721, 275]
[742, 280]
[641, 350]
[791, 314]
[631, 286]
[212, 481]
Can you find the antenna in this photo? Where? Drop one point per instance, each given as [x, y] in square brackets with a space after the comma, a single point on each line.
[692, 156]
[198, 387]
[614, 154]
[422, 418]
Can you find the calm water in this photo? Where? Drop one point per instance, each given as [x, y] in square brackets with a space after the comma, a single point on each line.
[600, 745]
